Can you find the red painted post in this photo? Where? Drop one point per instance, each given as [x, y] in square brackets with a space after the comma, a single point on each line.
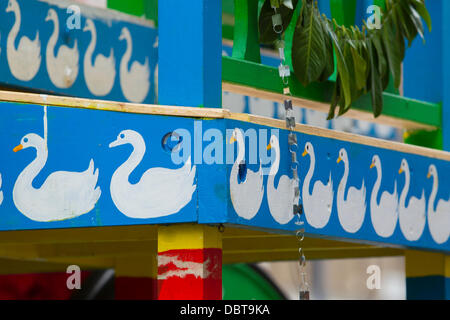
[189, 263]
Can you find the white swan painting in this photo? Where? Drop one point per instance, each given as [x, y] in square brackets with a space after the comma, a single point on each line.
[99, 77]
[62, 68]
[134, 81]
[351, 209]
[247, 195]
[384, 214]
[159, 192]
[281, 198]
[25, 60]
[439, 218]
[411, 216]
[319, 203]
[63, 195]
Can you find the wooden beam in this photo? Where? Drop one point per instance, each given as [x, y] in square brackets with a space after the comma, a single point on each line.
[343, 136]
[93, 104]
[324, 107]
[213, 113]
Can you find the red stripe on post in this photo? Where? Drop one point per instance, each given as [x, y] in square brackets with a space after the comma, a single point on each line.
[194, 274]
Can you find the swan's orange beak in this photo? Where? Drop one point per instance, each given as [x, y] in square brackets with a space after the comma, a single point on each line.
[339, 160]
[269, 146]
[400, 171]
[18, 148]
[372, 165]
[232, 140]
[304, 153]
[429, 175]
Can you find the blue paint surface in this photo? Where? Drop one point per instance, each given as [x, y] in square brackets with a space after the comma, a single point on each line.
[190, 34]
[422, 67]
[360, 159]
[33, 14]
[74, 137]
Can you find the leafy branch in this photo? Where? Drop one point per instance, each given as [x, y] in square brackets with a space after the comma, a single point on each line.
[365, 58]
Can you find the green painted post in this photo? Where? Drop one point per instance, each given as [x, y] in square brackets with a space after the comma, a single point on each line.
[246, 35]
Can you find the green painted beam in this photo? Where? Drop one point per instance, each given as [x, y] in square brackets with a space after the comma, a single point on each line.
[139, 8]
[133, 7]
[266, 78]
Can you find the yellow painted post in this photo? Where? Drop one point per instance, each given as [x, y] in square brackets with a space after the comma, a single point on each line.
[189, 262]
[427, 275]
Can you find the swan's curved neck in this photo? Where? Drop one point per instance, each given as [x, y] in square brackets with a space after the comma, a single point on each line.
[273, 170]
[127, 56]
[376, 187]
[132, 162]
[343, 183]
[240, 156]
[405, 189]
[27, 176]
[53, 38]
[91, 47]
[15, 29]
[310, 172]
[276, 164]
[241, 148]
[433, 193]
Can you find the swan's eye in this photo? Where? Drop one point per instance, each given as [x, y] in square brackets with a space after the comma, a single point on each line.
[25, 140]
[122, 136]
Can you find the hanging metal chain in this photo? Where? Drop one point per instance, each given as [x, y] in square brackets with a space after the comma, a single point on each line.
[285, 72]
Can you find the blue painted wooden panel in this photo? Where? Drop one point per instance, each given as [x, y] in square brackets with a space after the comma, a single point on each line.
[78, 139]
[75, 136]
[190, 53]
[360, 158]
[26, 59]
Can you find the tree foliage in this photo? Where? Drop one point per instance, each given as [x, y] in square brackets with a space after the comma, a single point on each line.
[365, 58]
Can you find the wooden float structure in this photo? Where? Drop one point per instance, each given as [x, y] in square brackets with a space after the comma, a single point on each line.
[206, 230]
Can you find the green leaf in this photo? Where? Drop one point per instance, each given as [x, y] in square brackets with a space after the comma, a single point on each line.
[360, 66]
[342, 69]
[415, 19]
[419, 5]
[406, 25]
[381, 59]
[266, 33]
[308, 46]
[376, 89]
[393, 53]
[329, 59]
[335, 99]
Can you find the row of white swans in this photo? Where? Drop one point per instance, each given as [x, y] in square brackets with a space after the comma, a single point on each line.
[66, 195]
[247, 195]
[63, 68]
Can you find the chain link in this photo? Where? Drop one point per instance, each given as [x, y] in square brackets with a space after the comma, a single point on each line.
[285, 72]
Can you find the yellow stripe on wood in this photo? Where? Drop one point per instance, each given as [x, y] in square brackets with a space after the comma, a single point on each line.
[188, 236]
[421, 264]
